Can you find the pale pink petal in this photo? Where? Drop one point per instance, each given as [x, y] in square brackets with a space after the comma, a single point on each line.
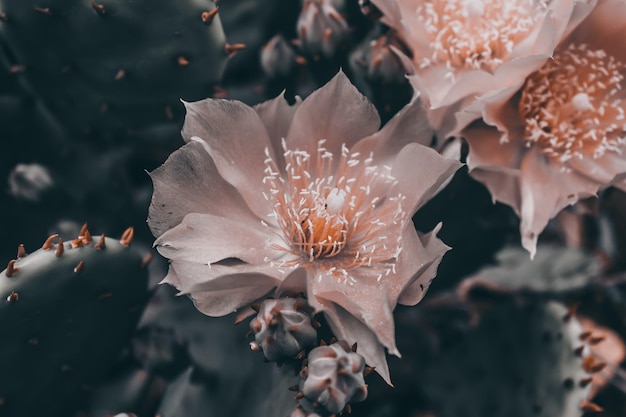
[219, 290]
[546, 190]
[237, 141]
[487, 149]
[198, 276]
[420, 171]
[582, 10]
[441, 91]
[496, 164]
[366, 300]
[416, 266]
[604, 29]
[338, 113]
[500, 110]
[347, 327]
[602, 170]
[295, 283]
[620, 183]
[277, 115]
[407, 126]
[188, 182]
[206, 238]
[503, 185]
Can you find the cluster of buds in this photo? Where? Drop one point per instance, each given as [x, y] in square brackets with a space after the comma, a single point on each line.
[283, 328]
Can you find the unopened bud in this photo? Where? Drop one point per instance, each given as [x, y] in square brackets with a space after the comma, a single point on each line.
[321, 29]
[334, 377]
[282, 328]
[378, 62]
[278, 58]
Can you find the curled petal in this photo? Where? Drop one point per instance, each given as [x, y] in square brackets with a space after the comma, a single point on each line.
[417, 265]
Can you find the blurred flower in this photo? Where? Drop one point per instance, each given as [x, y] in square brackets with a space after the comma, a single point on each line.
[305, 198]
[561, 137]
[466, 48]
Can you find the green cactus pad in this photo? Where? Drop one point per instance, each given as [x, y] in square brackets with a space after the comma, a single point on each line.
[518, 361]
[114, 65]
[65, 315]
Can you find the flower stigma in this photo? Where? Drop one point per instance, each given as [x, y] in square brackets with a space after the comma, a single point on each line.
[336, 213]
[472, 34]
[572, 107]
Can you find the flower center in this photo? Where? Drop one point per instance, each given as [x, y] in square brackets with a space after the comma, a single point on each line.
[475, 34]
[336, 212]
[572, 106]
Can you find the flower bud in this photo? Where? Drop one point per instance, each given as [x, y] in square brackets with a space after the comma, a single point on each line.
[378, 62]
[278, 59]
[282, 328]
[321, 29]
[30, 182]
[334, 377]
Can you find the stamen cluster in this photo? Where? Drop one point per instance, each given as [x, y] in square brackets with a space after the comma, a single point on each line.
[572, 106]
[336, 214]
[474, 34]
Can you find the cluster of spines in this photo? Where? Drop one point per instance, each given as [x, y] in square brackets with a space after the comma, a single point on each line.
[590, 363]
[84, 238]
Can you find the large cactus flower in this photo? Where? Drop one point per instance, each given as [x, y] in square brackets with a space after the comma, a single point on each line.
[305, 198]
[562, 135]
[462, 49]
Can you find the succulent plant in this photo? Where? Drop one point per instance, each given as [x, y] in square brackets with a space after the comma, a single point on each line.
[282, 328]
[530, 358]
[115, 65]
[67, 310]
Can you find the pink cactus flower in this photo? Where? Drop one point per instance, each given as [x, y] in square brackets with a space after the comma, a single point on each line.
[462, 49]
[562, 135]
[309, 198]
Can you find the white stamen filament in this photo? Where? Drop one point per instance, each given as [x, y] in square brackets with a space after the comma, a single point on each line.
[335, 215]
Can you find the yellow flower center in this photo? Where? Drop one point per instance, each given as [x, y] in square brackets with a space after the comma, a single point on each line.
[476, 34]
[572, 106]
[336, 214]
